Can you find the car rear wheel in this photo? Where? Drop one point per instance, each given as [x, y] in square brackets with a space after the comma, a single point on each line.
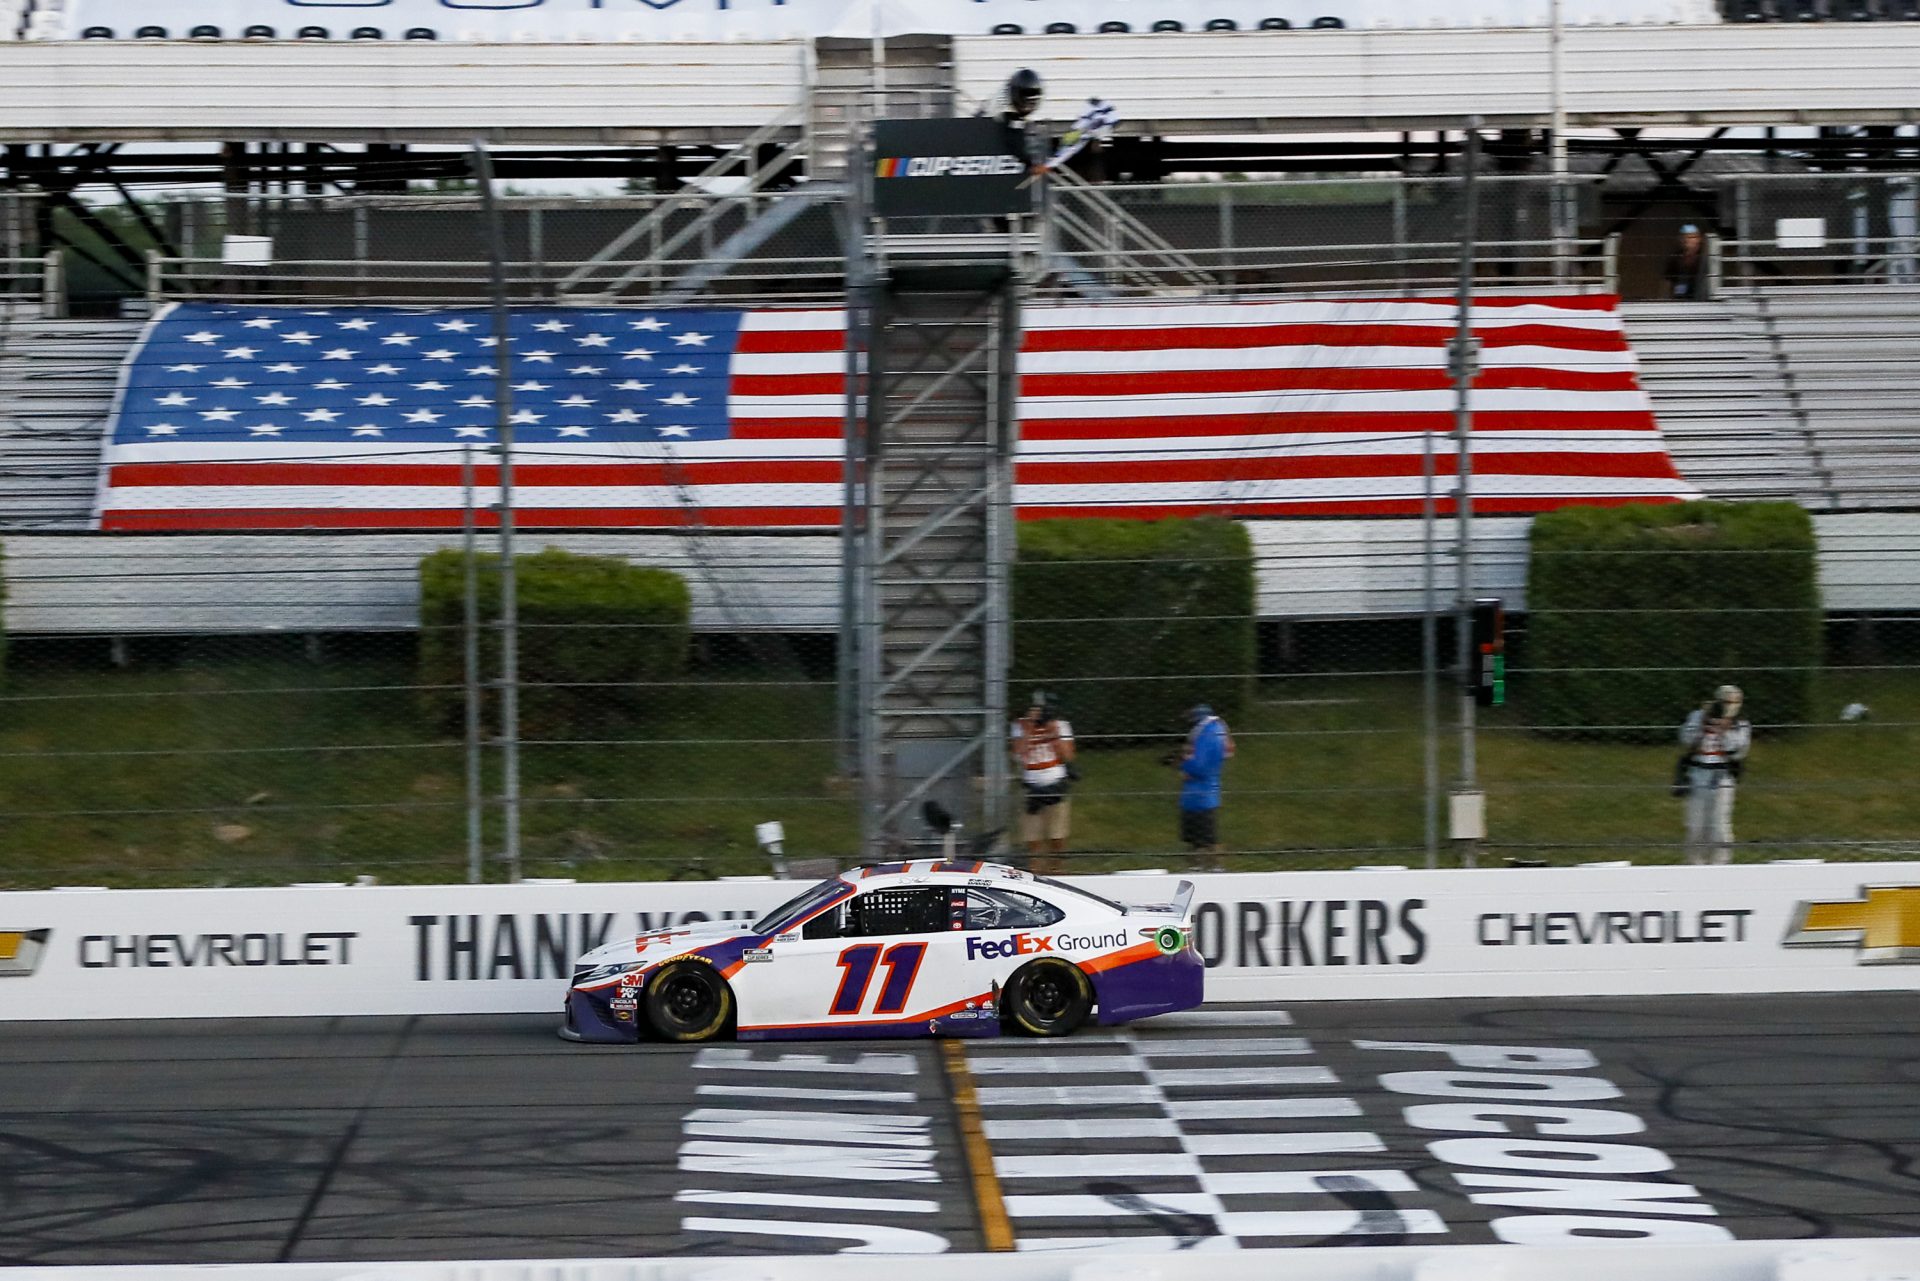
[687, 1001]
[1047, 998]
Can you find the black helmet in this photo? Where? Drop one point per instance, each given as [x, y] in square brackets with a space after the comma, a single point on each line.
[1023, 91]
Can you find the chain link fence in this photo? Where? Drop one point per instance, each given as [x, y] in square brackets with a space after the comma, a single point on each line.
[265, 707]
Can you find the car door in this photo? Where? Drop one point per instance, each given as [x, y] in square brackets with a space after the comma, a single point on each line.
[1006, 928]
[887, 955]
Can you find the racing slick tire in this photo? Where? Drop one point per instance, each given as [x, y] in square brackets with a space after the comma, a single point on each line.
[688, 1001]
[1050, 997]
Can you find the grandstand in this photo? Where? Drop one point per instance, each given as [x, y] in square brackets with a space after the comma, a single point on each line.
[1771, 388]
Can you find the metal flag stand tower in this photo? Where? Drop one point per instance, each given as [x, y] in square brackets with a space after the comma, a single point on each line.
[934, 330]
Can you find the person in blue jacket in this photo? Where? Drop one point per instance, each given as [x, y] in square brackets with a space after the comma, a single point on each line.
[1209, 747]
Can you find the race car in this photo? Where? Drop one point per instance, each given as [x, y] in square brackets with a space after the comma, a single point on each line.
[924, 948]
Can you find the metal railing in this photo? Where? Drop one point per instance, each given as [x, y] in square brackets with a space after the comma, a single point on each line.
[33, 285]
[465, 282]
[1420, 268]
[1085, 221]
[1186, 237]
[1821, 260]
[758, 161]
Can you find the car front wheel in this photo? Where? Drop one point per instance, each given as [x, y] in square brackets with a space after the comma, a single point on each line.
[1047, 998]
[687, 1001]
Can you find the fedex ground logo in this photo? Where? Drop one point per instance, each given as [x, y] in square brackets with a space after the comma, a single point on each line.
[1021, 944]
[947, 166]
[1009, 945]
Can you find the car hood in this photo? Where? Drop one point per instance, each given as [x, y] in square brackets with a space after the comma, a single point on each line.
[659, 945]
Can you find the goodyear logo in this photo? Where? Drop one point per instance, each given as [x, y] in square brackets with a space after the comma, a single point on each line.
[20, 952]
[946, 166]
[1883, 924]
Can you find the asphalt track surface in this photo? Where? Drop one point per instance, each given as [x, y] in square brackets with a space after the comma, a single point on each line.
[487, 1137]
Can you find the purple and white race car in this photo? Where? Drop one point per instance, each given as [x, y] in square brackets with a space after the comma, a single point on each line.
[927, 948]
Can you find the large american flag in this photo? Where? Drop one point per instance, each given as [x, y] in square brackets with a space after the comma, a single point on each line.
[245, 417]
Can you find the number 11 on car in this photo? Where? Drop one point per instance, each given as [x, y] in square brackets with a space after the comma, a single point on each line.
[902, 962]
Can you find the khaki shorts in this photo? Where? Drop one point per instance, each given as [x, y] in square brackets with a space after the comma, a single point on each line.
[1050, 824]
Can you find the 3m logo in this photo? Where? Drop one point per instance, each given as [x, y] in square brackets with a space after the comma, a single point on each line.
[20, 952]
[1884, 925]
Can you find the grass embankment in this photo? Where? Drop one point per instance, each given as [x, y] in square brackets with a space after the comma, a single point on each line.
[272, 768]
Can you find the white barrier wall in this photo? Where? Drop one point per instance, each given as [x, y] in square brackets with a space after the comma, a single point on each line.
[1888, 1259]
[1267, 936]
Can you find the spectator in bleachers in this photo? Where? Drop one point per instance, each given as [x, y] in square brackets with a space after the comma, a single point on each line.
[1686, 270]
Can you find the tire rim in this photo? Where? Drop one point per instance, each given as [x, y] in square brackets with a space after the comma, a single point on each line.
[688, 1000]
[1047, 997]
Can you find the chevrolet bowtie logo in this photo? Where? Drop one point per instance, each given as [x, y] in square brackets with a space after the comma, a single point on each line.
[20, 952]
[1884, 925]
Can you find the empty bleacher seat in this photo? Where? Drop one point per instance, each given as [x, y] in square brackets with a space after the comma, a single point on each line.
[1329, 23]
[1061, 29]
[421, 33]
[150, 33]
[1008, 29]
[259, 31]
[97, 33]
[368, 33]
[1169, 24]
[205, 31]
[1275, 24]
[1222, 24]
[313, 33]
[1113, 26]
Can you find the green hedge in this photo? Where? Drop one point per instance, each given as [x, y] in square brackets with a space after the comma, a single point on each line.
[595, 623]
[1637, 612]
[1163, 608]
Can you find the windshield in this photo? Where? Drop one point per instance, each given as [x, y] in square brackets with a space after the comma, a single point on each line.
[791, 912]
[1121, 908]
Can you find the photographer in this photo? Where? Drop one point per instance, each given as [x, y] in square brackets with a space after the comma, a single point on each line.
[1716, 738]
[1207, 750]
[1042, 748]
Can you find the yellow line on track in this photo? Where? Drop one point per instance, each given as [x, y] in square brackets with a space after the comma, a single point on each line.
[995, 1228]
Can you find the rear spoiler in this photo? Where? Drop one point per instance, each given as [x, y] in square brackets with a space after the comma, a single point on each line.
[1177, 907]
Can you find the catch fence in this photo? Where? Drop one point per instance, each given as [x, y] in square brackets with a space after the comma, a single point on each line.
[251, 707]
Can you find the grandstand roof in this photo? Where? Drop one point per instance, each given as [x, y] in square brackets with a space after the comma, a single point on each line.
[1189, 83]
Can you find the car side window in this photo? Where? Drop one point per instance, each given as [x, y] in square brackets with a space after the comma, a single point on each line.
[830, 924]
[993, 909]
[908, 911]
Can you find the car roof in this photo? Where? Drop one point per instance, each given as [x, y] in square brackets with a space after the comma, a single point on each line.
[923, 871]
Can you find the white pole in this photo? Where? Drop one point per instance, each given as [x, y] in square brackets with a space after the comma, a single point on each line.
[509, 591]
[1562, 229]
[1465, 360]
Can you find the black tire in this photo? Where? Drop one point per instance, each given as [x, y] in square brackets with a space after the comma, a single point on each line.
[688, 1001]
[1047, 998]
